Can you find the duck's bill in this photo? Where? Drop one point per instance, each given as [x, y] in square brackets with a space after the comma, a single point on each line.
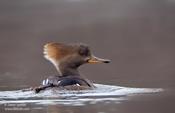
[94, 60]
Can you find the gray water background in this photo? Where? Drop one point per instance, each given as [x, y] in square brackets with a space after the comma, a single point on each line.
[137, 35]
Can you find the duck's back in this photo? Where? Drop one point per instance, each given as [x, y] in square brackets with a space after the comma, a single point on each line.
[59, 81]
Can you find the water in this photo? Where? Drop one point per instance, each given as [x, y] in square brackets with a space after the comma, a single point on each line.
[136, 35]
[19, 100]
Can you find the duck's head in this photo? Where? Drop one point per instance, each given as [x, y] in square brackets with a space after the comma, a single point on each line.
[68, 57]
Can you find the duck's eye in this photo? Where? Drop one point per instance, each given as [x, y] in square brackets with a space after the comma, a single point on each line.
[84, 52]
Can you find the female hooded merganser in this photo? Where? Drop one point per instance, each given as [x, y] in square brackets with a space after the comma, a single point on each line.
[67, 58]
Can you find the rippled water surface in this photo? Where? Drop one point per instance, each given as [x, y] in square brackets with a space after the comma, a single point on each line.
[19, 100]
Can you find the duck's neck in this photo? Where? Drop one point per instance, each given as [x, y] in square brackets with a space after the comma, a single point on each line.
[67, 71]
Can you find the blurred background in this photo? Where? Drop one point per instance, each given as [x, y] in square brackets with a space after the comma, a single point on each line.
[137, 35]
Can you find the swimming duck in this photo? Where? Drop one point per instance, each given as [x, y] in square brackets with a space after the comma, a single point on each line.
[67, 58]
